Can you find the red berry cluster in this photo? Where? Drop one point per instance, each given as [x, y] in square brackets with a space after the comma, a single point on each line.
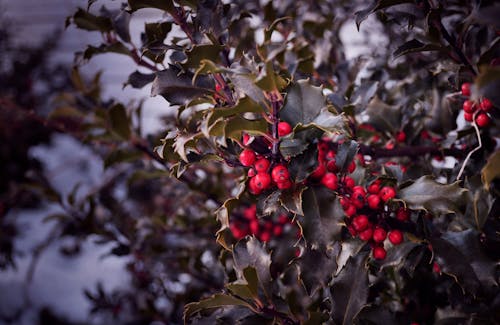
[478, 109]
[263, 228]
[262, 174]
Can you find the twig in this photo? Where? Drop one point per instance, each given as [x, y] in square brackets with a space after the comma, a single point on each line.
[480, 145]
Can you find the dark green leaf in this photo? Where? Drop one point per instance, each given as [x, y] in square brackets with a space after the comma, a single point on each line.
[215, 301]
[350, 290]
[427, 194]
[138, 79]
[321, 220]
[491, 170]
[292, 147]
[487, 84]
[177, 88]
[118, 48]
[303, 103]
[201, 52]
[120, 21]
[415, 46]
[292, 201]
[382, 116]
[345, 154]
[316, 268]
[119, 121]
[85, 20]
[378, 5]
[121, 156]
[165, 5]
[252, 253]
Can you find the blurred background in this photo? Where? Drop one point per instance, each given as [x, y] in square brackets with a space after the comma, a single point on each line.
[81, 243]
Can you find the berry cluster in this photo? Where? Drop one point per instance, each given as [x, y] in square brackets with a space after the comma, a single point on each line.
[476, 111]
[263, 228]
[263, 175]
[366, 209]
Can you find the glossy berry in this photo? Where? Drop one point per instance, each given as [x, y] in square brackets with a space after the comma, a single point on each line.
[330, 154]
[379, 234]
[360, 222]
[395, 237]
[251, 172]
[262, 181]
[374, 188]
[466, 89]
[403, 214]
[482, 120]
[436, 268]
[379, 253]
[400, 136]
[265, 236]
[262, 165]
[469, 106]
[284, 128]
[329, 180]
[350, 210]
[280, 174]
[247, 157]
[352, 167]
[348, 182]
[237, 230]
[366, 234]
[358, 199]
[246, 139]
[359, 189]
[486, 105]
[468, 117]
[250, 213]
[331, 166]
[254, 227]
[277, 230]
[218, 87]
[285, 185]
[387, 193]
[319, 172]
[373, 201]
[283, 219]
[252, 185]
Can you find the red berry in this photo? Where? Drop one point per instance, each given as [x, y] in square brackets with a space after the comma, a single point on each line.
[237, 230]
[252, 185]
[379, 253]
[387, 193]
[468, 117]
[486, 105]
[348, 182]
[247, 157]
[277, 230]
[319, 171]
[262, 181]
[284, 128]
[466, 89]
[352, 167]
[360, 222]
[283, 219]
[400, 136]
[330, 154]
[280, 174]
[246, 139]
[374, 187]
[395, 237]
[344, 202]
[262, 165]
[373, 201]
[436, 268]
[469, 106]
[250, 213]
[366, 234]
[251, 172]
[254, 227]
[483, 120]
[329, 180]
[403, 214]
[379, 234]
[265, 236]
[358, 199]
[331, 166]
[284, 185]
[350, 210]
[218, 87]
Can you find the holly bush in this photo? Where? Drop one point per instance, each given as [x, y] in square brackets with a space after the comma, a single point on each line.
[293, 184]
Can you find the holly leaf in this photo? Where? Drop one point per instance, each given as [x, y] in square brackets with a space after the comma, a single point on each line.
[85, 20]
[252, 253]
[292, 201]
[322, 217]
[350, 290]
[314, 278]
[413, 46]
[345, 154]
[454, 263]
[303, 103]
[377, 5]
[491, 170]
[117, 47]
[427, 194]
[382, 116]
[119, 121]
[215, 301]
[165, 5]
[292, 147]
[177, 87]
[222, 214]
[138, 79]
